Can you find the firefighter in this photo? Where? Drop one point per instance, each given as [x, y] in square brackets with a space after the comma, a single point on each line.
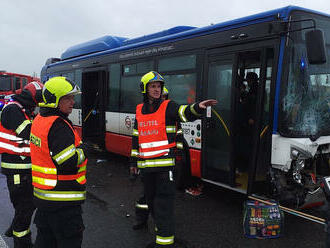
[58, 168]
[15, 127]
[152, 152]
[141, 207]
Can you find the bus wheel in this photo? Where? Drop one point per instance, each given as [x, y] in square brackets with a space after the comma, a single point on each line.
[182, 173]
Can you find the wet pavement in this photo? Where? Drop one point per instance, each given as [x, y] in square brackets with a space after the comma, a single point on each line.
[211, 220]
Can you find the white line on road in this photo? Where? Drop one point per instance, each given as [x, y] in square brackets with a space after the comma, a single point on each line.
[2, 243]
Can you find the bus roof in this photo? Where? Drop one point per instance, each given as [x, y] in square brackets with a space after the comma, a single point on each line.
[111, 44]
[97, 45]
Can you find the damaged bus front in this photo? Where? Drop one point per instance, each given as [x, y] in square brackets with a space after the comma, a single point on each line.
[301, 147]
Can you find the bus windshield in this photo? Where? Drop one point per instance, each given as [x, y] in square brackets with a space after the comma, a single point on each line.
[305, 103]
[5, 84]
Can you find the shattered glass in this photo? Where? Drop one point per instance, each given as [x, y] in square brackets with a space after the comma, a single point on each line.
[305, 104]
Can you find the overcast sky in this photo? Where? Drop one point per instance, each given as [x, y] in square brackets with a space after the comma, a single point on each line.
[33, 30]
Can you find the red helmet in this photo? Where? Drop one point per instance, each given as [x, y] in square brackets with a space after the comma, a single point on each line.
[35, 89]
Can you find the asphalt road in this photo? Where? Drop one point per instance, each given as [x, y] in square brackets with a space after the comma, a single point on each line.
[211, 220]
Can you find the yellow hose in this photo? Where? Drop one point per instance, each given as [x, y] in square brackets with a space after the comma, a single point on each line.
[222, 121]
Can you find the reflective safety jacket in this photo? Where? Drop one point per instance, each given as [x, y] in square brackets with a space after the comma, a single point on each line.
[153, 141]
[155, 133]
[9, 141]
[49, 183]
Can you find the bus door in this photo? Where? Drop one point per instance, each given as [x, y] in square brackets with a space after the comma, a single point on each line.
[229, 134]
[93, 106]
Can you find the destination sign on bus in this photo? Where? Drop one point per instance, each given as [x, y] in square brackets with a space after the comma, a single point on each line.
[144, 52]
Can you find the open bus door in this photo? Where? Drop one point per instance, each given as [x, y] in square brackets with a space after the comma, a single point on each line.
[232, 155]
[93, 106]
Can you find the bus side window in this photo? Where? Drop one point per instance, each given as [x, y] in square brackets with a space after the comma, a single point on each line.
[17, 83]
[77, 80]
[130, 95]
[182, 87]
[180, 77]
[113, 88]
[24, 82]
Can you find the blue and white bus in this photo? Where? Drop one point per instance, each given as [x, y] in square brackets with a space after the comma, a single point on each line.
[283, 151]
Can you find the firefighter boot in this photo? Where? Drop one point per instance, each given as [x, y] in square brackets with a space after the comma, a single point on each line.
[9, 232]
[23, 242]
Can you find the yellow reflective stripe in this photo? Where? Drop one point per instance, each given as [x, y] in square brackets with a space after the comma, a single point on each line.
[156, 163]
[21, 127]
[59, 195]
[44, 181]
[21, 234]
[140, 164]
[179, 132]
[193, 110]
[81, 156]
[80, 179]
[164, 240]
[83, 168]
[181, 113]
[83, 177]
[135, 132]
[170, 129]
[15, 165]
[179, 145]
[142, 206]
[134, 153]
[45, 170]
[64, 155]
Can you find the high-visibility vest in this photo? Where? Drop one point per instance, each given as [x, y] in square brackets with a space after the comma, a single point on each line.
[153, 141]
[46, 179]
[9, 141]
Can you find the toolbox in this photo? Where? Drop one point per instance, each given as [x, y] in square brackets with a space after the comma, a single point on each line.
[261, 220]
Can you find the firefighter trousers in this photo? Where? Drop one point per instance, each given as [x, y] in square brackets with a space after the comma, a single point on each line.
[62, 228]
[21, 195]
[159, 190]
[141, 210]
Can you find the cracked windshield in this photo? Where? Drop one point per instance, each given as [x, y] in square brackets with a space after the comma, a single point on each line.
[306, 96]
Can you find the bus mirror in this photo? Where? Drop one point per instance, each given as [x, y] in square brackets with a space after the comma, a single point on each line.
[315, 47]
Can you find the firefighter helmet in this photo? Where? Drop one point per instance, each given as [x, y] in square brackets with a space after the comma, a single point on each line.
[35, 90]
[151, 76]
[55, 88]
[165, 91]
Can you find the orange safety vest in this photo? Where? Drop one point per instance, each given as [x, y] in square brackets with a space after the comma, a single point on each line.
[45, 176]
[153, 141]
[9, 141]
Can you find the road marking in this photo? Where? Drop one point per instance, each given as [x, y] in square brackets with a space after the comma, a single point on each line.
[2, 243]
